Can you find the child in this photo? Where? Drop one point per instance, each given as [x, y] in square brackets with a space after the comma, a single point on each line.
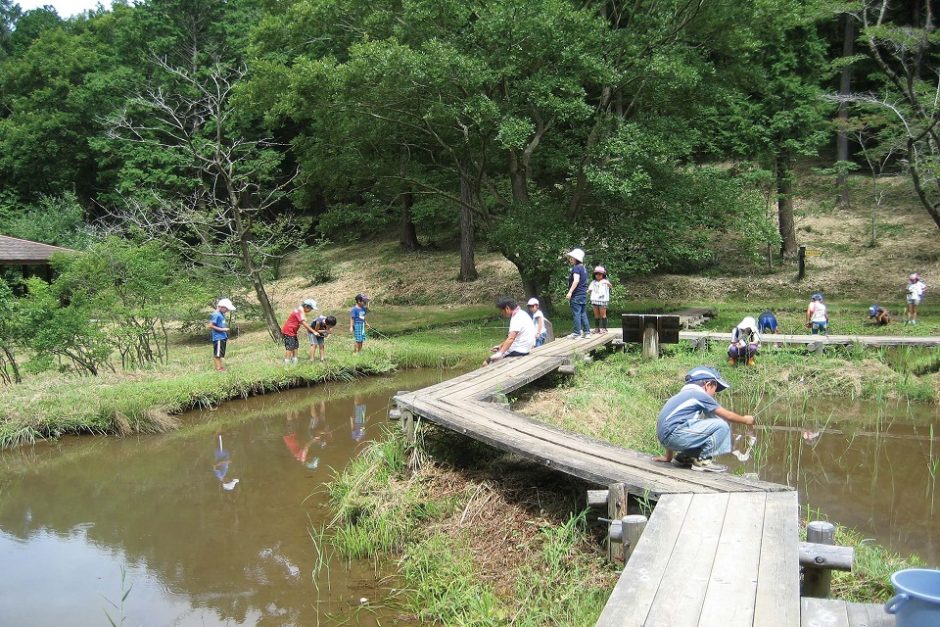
[915, 294]
[357, 321]
[692, 425]
[219, 330]
[321, 325]
[577, 294]
[294, 321]
[745, 342]
[767, 323]
[879, 314]
[817, 317]
[600, 297]
[540, 321]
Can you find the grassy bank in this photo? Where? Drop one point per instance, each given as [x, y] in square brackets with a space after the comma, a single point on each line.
[52, 404]
[496, 542]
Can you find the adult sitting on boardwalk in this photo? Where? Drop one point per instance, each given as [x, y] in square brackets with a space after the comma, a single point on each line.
[521, 338]
[692, 424]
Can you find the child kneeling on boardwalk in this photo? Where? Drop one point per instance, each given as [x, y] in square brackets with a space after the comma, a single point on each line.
[693, 426]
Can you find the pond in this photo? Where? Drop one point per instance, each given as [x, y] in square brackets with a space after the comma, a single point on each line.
[869, 465]
[209, 525]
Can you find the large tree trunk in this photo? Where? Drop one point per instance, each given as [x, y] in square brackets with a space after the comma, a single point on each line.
[519, 178]
[845, 88]
[254, 274]
[408, 235]
[788, 247]
[468, 269]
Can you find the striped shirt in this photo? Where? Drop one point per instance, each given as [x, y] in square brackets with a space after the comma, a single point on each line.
[691, 403]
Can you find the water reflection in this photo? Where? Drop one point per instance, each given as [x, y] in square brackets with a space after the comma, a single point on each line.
[212, 524]
[872, 466]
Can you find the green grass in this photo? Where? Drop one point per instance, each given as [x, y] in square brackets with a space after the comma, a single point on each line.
[53, 404]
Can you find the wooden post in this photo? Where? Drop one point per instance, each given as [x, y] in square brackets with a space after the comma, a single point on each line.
[801, 260]
[616, 509]
[597, 498]
[633, 526]
[817, 581]
[650, 341]
[408, 425]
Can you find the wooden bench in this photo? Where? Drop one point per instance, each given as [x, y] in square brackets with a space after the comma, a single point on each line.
[724, 560]
[834, 613]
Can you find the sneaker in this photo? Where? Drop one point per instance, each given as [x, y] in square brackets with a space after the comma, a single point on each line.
[585, 335]
[707, 465]
[574, 336]
[682, 461]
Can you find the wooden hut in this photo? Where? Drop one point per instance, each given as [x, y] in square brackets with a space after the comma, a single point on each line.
[31, 257]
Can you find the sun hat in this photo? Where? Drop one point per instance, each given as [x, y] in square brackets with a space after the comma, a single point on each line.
[817, 296]
[914, 277]
[224, 302]
[704, 373]
[533, 301]
[576, 253]
[310, 303]
[748, 323]
[600, 269]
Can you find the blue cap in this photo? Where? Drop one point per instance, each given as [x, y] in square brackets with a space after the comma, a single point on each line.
[704, 373]
[873, 311]
[817, 296]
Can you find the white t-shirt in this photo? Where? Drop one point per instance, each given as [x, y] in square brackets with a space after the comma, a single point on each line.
[915, 291]
[521, 323]
[536, 317]
[599, 290]
[817, 312]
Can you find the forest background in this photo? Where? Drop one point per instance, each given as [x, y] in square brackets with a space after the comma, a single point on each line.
[191, 145]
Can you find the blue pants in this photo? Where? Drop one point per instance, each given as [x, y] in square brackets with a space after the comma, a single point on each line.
[579, 314]
[703, 438]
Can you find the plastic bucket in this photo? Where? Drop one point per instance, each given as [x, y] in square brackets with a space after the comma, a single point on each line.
[916, 602]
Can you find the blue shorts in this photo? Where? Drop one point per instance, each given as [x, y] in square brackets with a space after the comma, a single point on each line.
[316, 340]
[820, 327]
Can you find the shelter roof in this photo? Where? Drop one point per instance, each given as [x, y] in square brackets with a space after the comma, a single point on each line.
[22, 252]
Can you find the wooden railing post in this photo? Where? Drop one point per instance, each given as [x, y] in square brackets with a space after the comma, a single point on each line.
[650, 341]
[616, 509]
[633, 526]
[818, 581]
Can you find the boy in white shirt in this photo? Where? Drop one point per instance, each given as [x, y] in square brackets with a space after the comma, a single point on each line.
[521, 338]
[915, 294]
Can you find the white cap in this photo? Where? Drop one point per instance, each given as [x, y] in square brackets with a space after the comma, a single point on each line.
[577, 254]
[533, 301]
[224, 302]
[310, 303]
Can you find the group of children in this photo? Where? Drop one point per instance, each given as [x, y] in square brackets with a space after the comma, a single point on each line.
[317, 329]
[580, 291]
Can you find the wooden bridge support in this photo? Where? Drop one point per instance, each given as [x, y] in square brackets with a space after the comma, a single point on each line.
[818, 581]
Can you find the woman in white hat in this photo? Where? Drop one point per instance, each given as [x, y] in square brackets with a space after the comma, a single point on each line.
[219, 330]
[745, 342]
[577, 294]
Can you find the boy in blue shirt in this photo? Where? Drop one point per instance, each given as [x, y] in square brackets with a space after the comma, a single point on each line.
[693, 426]
[357, 321]
[767, 323]
[219, 330]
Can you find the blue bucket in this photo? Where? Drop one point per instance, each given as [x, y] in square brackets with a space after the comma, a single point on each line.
[916, 602]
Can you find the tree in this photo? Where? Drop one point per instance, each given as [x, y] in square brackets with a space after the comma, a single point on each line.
[221, 185]
[906, 56]
[9, 13]
[9, 370]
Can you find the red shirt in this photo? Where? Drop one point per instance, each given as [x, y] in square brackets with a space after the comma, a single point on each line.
[293, 322]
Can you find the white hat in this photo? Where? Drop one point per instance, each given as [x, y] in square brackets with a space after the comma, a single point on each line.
[533, 301]
[310, 303]
[224, 302]
[577, 254]
[748, 323]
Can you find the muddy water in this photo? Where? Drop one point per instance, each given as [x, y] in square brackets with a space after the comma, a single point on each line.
[86, 520]
[871, 466]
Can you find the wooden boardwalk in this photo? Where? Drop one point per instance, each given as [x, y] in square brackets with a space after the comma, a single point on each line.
[825, 340]
[461, 404]
[718, 549]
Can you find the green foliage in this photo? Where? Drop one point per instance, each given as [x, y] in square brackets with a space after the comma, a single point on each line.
[59, 221]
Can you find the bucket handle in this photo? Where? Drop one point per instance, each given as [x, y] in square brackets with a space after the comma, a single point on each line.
[896, 603]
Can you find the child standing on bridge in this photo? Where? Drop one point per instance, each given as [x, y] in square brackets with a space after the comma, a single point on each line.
[599, 289]
[693, 426]
[915, 294]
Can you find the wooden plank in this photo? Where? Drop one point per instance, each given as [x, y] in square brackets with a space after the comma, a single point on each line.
[732, 591]
[832, 557]
[869, 615]
[778, 574]
[823, 613]
[633, 595]
[682, 590]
